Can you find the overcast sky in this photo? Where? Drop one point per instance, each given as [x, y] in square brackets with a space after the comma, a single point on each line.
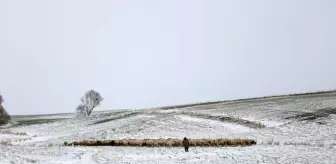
[147, 53]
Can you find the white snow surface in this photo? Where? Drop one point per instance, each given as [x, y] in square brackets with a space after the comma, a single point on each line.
[282, 141]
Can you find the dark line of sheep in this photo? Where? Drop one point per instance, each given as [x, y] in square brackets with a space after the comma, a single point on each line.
[170, 142]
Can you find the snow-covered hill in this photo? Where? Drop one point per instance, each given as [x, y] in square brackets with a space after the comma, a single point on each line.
[300, 129]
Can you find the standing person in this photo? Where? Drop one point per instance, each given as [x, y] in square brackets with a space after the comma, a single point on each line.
[186, 144]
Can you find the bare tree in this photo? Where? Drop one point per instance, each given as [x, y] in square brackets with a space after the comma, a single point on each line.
[4, 116]
[90, 100]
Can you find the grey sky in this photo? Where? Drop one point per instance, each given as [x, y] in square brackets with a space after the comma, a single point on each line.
[146, 53]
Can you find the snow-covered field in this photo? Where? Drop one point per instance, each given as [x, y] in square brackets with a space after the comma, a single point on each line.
[299, 129]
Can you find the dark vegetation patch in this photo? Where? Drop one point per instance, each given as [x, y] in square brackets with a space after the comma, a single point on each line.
[39, 115]
[115, 118]
[36, 121]
[306, 94]
[247, 123]
[190, 105]
[111, 113]
[308, 116]
[13, 133]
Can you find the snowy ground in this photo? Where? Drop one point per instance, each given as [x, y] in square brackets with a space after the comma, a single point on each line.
[298, 130]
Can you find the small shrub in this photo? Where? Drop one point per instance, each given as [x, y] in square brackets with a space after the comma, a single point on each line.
[4, 116]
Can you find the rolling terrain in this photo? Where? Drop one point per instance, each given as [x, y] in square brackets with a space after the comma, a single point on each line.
[288, 129]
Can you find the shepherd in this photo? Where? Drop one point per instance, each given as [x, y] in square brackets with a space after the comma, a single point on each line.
[186, 144]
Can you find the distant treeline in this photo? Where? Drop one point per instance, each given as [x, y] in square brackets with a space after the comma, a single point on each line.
[246, 99]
